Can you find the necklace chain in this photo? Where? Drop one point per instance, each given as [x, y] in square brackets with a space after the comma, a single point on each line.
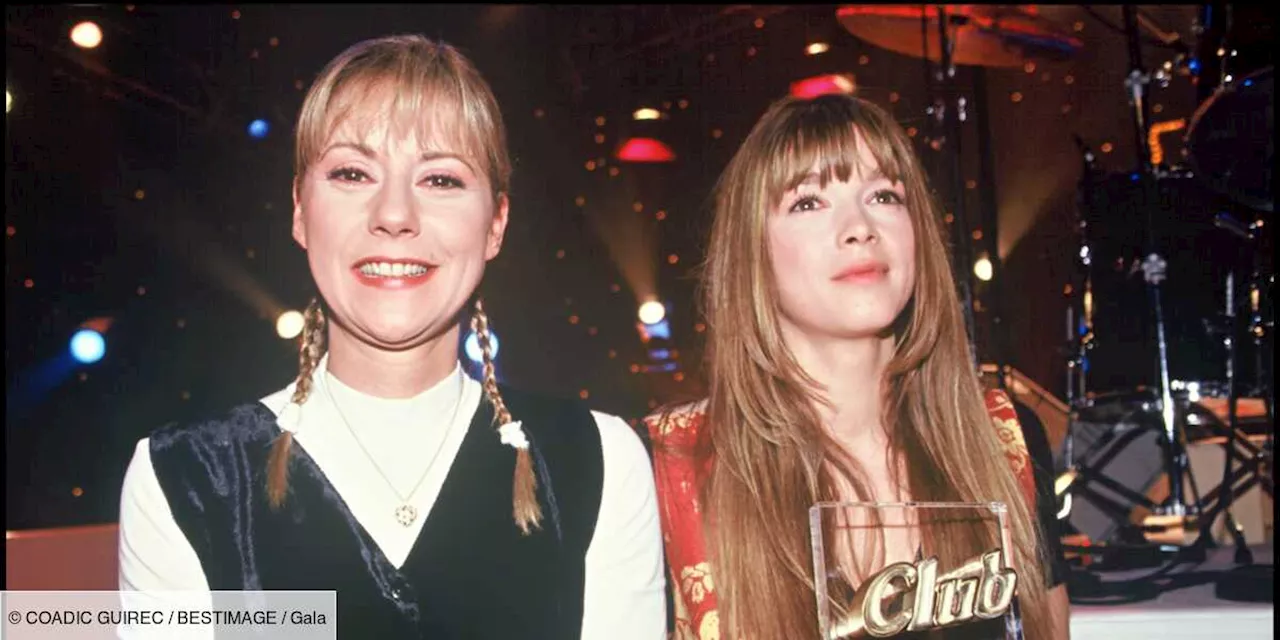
[405, 513]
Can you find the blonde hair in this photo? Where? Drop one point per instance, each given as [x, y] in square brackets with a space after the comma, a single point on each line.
[772, 456]
[415, 86]
[406, 81]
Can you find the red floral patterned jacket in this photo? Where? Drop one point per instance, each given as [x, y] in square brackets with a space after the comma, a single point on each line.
[695, 592]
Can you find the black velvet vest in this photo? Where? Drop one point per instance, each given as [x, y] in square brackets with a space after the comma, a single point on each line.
[470, 574]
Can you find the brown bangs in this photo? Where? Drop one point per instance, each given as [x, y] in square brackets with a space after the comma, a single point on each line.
[825, 134]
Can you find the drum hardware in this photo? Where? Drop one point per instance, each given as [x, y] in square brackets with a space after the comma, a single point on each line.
[1256, 463]
[1153, 264]
[1175, 404]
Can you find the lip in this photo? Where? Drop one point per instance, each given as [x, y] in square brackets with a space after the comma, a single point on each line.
[393, 282]
[863, 272]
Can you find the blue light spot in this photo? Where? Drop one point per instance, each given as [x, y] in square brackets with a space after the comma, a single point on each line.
[472, 347]
[88, 346]
[259, 128]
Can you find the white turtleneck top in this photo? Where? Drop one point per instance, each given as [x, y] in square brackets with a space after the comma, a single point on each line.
[623, 591]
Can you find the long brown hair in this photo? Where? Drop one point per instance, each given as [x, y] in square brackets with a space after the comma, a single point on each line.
[406, 81]
[773, 458]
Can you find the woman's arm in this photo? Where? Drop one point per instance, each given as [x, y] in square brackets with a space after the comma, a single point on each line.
[625, 596]
[159, 570]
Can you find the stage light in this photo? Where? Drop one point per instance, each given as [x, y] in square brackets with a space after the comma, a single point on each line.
[290, 324]
[473, 350]
[647, 113]
[259, 128]
[86, 35]
[823, 85]
[983, 269]
[660, 330]
[652, 312]
[88, 346]
[8, 101]
[645, 150]
[816, 48]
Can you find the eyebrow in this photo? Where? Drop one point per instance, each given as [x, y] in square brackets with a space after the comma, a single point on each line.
[367, 152]
[814, 178]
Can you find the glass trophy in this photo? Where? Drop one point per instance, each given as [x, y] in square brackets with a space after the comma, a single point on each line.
[877, 576]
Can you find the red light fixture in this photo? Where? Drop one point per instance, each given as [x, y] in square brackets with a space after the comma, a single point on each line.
[823, 85]
[645, 150]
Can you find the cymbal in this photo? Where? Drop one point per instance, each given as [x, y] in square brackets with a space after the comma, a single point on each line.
[1230, 140]
[982, 35]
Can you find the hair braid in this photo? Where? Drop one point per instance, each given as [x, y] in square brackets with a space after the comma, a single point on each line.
[525, 507]
[309, 354]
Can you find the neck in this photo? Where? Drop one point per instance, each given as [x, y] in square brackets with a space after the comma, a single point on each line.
[391, 374]
[850, 372]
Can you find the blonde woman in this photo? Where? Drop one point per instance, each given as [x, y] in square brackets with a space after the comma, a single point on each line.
[838, 370]
[438, 506]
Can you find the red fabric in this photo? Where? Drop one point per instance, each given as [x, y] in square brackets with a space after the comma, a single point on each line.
[675, 436]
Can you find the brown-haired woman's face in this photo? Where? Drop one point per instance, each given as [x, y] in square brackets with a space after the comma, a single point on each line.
[397, 231]
[843, 255]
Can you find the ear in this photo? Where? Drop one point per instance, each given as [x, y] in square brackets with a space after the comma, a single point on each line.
[497, 228]
[299, 223]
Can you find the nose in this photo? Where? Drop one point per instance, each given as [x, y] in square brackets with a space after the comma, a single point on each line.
[856, 227]
[393, 212]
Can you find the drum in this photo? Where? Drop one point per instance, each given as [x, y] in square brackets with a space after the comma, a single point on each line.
[1193, 296]
[1201, 409]
[1231, 144]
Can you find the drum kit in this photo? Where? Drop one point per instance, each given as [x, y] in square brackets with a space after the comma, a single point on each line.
[1169, 317]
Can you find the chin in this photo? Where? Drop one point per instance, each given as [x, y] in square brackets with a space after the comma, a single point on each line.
[395, 331]
[398, 338]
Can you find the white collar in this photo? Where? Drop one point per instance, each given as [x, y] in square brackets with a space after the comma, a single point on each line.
[289, 416]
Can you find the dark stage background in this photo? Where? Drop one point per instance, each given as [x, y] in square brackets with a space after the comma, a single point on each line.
[138, 203]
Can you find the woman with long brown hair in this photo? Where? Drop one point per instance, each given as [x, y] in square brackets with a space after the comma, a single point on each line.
[839, 370]
[436, 505]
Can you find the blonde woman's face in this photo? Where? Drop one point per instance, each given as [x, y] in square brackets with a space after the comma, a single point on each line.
[397, 232]
[843, 255]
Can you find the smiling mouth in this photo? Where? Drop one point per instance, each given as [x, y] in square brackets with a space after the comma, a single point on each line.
[393, 268]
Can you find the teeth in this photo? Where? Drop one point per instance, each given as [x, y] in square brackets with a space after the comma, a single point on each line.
[392, 269]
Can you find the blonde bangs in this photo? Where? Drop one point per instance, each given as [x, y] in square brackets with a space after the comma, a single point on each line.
[417, 89]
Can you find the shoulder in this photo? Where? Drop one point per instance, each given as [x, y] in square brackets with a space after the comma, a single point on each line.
[678, 426]
[558, 417]
[238, 425]
[1004, 417]
[999, 405]
[247, 421]
[544, 408]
